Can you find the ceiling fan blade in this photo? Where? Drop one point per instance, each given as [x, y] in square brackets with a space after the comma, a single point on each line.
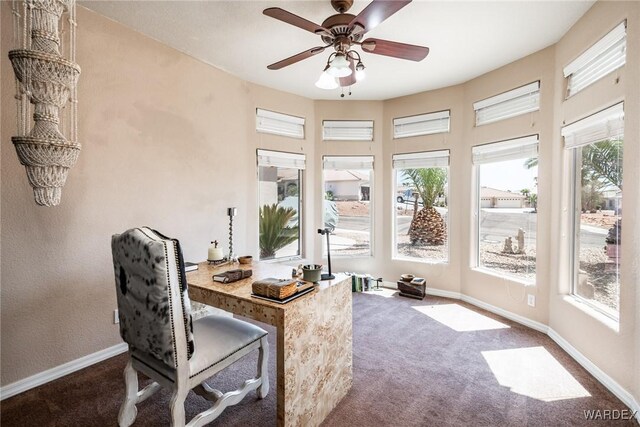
[296, 58]
[295, 20]
[376, 12]
[395, 49]
[351, 78]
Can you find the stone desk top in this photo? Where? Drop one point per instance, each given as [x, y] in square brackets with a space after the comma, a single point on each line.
[201, 279]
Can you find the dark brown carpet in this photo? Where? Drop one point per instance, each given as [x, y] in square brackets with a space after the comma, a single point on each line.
[409, 370]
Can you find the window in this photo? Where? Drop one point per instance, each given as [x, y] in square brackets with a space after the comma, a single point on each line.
[506, 203]
[607, 55]
[595, 147]
[423, 124]
[279, 124]
[421, 209]
[347, 130]
[518, 101]
[347, 208]
[279, 198]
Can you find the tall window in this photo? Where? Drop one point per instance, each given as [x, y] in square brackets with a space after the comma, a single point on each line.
[421, 209]
[347, 207]
[507, 175]
[595, 146]
[279, 192]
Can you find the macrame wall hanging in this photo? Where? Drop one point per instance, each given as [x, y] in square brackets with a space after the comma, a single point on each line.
[46, 79]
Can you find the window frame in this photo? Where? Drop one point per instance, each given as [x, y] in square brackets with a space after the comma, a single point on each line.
[301, 210]
[476, 262]
[372, 202]
[530, 90]
[293, 122]
[574, 150]
[348, 124]
[394, 253]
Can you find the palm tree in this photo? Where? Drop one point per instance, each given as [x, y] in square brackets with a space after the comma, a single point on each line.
[427, 225]
[604, 159]
[274, 232]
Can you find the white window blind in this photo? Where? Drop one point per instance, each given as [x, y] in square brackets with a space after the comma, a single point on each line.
[518, 101]
[607, 55]
[425, 159]
[279, 124]
[347, 130]
[347, 162]
[512, 149]
[280, 159]
[606, 124]
[423, 124]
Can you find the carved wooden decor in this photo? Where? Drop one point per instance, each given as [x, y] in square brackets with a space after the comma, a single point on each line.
[46, 78]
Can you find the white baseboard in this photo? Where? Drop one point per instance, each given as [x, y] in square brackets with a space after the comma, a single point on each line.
[537, 326]
[598, 373]
[60, 371]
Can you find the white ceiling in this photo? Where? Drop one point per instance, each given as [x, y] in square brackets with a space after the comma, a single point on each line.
[467, 39]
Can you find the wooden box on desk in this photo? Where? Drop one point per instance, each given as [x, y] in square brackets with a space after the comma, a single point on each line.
[412, 290]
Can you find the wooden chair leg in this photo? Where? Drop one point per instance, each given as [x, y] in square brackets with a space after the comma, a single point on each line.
[128, 410]
[263, 368]
[177, 407]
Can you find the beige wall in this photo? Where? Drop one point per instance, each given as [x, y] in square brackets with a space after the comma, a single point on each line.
[170, 142]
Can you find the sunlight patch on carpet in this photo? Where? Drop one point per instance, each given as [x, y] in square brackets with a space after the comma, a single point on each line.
[535, 373]
[459, 318]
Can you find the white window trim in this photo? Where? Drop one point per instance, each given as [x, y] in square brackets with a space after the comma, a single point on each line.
[422, 124]
[515, 102]
[592, 65]
[475, 261]
[279, 124]
[281, 159]
[429, 159]
[353, 162]
[347, 130]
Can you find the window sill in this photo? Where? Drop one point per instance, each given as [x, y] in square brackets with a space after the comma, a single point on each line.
[523, 282]
[420, 261]
[587, 309]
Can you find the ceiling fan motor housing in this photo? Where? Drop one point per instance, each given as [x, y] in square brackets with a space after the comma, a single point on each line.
[341, 6]
[338, 26]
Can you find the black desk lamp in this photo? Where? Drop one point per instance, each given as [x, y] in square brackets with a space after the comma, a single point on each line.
[328, 276]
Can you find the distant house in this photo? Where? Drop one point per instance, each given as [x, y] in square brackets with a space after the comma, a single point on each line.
[494, 198]
[347, 184]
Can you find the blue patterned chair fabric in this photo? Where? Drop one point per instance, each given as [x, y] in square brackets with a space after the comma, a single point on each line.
[143, 293]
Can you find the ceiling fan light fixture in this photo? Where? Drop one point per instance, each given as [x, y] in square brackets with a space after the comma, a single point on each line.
[339, 66]
[326, 81]
[360, 74]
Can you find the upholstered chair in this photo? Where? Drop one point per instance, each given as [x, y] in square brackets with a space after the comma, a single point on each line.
[164, 343]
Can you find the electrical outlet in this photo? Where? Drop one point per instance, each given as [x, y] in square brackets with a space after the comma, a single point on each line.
[116, 319]
[531, 300]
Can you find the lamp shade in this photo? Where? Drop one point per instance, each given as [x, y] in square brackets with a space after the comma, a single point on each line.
[360, 74]
[326, 81]
[339, 67]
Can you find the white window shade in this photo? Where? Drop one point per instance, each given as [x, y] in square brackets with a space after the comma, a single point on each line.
[513, 103]
[347, 130]
[513, 149]
[347, 162]
[279, 124]
[607, 55]
[426, 159]
[280, 159]
[606, 124]
[423, 124]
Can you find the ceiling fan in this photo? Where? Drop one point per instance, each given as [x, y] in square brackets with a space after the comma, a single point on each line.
[342, 31]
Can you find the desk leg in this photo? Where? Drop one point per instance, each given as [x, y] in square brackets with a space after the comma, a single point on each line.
[315, 358]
